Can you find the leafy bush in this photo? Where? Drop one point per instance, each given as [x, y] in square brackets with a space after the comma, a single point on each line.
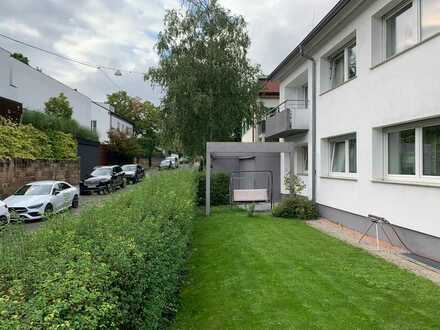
[125, 146]
[115, 266]
[219, 189]
[25, 141]
[63, 145]
[46, 122]
[298, 207]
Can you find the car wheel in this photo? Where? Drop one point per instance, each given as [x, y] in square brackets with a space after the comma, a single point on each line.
[48, 210]
[75, 202]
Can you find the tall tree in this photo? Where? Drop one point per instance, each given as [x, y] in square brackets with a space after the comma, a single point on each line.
[20, 57]
[59, 106]
[210, 85]
[145, 117]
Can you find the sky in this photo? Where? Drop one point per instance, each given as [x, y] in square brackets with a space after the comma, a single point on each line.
[122, 34]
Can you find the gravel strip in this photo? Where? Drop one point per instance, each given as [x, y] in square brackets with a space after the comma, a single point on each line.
[387, 251]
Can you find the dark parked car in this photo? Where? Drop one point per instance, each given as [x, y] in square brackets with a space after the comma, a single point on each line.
[103, 179]
[133, 172]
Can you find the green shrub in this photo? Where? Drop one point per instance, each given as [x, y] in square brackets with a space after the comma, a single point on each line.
[219, 189]
[63, 145]
[298, 207]
[25, 141]
[116, 266]
[46, 122]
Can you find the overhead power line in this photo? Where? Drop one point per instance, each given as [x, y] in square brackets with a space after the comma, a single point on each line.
[97, 67]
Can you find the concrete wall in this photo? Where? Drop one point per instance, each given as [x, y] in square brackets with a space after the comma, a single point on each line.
[401, 90]
[102, 117]
[16, 172]
[252, 162]
[120, 124]
[404, 89]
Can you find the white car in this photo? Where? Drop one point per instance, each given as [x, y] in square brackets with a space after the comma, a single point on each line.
[168, 163]
[33, 200]
[4, 214]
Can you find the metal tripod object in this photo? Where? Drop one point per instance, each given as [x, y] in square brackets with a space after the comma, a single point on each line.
[378, 222]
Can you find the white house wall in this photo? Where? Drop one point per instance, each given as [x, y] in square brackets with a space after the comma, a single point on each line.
[403, 89]
[33, 88]
[102, 117]
[287, 94]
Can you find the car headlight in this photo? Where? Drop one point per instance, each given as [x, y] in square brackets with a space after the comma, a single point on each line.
[36, 206]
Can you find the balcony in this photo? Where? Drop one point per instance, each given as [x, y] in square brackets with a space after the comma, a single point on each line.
[289, 118]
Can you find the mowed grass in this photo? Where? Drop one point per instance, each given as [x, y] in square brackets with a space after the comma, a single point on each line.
[268, 273]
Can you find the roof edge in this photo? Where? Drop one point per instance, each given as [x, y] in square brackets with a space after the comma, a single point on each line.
[317, 29]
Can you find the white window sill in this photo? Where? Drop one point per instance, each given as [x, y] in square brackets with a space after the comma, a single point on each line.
[340, 177]
[302, 174]
[374, 66]
[336, 87]
[420, 183]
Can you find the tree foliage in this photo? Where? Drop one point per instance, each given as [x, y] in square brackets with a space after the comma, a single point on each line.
[20, 57]
[125, 146]
[210, 85]
[59, 106]
[145, 116]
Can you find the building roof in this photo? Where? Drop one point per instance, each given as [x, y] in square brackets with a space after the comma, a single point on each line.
[271, 88]
[316, 30]
[108, 108]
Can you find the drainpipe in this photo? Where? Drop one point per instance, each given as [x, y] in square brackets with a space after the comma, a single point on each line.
[311, 59]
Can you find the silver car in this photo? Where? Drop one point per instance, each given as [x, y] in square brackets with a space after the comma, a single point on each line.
[33, 200]
[4, 214]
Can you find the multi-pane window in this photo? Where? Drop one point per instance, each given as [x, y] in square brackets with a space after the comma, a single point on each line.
[409, 23]
[343, 65]
[401, 29]
[343, 159]
[430, 18]
[431, 151]
[413, 152]
[93, 125]
[303, 160]
[401, 152]
[351, 58]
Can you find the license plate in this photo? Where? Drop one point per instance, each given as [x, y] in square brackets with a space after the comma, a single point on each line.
[91, 185]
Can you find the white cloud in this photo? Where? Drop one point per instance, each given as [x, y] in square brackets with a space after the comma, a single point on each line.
[18, 28]
[121, 33]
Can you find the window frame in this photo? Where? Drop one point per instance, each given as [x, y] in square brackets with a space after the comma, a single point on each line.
[395, 12]
[344, 53]
[346, 139]
[418, 24]
[302, 164]
[419, 156]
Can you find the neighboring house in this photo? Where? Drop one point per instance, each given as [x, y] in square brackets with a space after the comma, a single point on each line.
[22, 86]
[368, 78]
[269, 98]
[104, 119]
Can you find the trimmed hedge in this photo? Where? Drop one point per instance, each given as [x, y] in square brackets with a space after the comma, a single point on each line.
[25, 141]
[298, 207]
[219, 189]
[116, 266]
[46, 123]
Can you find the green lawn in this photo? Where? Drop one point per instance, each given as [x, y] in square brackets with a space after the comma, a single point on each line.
[267, 273]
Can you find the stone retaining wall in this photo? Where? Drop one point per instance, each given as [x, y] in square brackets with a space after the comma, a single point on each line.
[16, 172]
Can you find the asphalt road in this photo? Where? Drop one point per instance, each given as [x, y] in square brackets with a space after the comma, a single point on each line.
[85, 201]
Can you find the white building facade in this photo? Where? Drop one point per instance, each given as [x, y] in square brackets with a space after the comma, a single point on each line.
[369, 74]
[31, 88]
